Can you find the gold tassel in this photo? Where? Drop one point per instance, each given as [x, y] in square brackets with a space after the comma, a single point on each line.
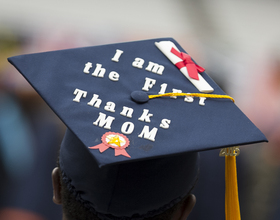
[232, 209]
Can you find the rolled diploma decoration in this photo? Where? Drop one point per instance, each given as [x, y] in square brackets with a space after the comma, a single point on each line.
[201, 84]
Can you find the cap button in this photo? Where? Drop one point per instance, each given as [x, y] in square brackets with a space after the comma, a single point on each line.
[139, 96]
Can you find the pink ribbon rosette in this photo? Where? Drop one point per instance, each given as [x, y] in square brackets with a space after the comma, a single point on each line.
[114, 140]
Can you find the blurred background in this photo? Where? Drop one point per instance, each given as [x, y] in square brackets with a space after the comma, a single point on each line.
[237, 42]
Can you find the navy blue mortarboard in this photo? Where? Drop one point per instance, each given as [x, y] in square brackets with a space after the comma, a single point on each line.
[136, 110]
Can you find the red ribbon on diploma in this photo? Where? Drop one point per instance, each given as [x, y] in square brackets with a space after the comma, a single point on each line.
[114, 140]
[187, 62]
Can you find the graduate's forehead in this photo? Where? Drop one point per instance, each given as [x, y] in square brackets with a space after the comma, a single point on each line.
[104, 96]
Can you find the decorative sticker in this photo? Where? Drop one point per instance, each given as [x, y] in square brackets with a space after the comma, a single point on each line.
[187, 62]
[189, 70]
[114, 140]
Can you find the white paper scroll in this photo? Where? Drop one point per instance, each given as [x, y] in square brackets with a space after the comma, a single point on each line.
[200, 84]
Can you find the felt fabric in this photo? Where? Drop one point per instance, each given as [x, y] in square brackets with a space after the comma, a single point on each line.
[57, 75]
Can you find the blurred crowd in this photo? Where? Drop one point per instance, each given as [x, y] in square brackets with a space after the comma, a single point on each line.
[30, 135]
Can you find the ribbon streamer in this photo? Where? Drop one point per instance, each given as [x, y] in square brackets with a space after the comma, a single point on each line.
[187, 62]
[201, 84]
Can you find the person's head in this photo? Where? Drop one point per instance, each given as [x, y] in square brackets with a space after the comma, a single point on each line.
[158, 188]
[75, 209]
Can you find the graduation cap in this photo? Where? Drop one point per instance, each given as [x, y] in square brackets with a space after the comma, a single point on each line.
[136, 113]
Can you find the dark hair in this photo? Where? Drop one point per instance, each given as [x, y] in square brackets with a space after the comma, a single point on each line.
[74, 208]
